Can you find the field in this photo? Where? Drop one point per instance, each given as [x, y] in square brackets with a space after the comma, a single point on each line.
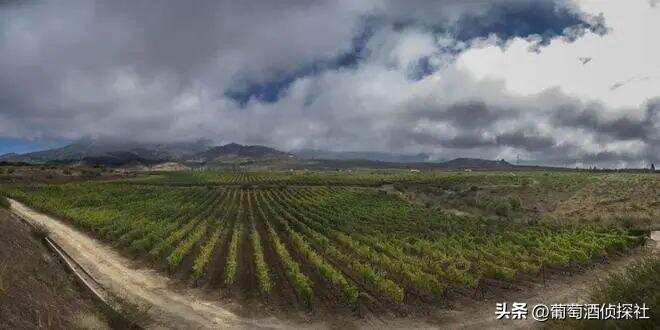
[365, 178]
[376, 240]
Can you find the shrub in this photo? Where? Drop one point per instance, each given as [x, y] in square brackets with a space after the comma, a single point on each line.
[502, 208]
[516, 203]
[637, 284]
[639, 232]
[4, 203]
[40, 231]
[4, 278]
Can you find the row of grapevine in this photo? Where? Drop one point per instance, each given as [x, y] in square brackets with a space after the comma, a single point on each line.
[329, 273]
[232, 256]
[371, 279]
[208, 249]
[263, 277]
[327, 243]
[364, 178]
[301, 283]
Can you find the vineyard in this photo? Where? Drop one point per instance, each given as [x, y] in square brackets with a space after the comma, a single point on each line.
[364, 178]
[309, 246]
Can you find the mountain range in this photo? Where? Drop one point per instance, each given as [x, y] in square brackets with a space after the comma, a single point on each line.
[91, 148]
[203, 154]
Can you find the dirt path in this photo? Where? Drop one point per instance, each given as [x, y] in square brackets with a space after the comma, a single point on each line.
[180, 309]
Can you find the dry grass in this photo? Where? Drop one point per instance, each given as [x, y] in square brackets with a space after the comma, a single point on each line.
[89, 321]
[132, 315]
[614, 195]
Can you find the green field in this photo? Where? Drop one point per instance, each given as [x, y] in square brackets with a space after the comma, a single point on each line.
[383, 239]
[367, 178]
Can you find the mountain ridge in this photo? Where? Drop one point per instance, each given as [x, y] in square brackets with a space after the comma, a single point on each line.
[86, 148]
[204, 154]
[235, 150]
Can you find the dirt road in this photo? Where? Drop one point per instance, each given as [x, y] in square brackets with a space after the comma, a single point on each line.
[176, 308]
[170, 308]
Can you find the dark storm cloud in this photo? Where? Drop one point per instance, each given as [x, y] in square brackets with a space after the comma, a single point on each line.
[526, 141]
[542, 20]
[506, 19]
[243, 89]
[464, 21]
[468, 141]
[370, 75]
[473, 114]
[519, 139]
[620, 127]
[607, 156]
[66, 60]
[550, 128]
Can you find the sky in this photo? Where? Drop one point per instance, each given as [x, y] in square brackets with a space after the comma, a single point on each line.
[557, 82]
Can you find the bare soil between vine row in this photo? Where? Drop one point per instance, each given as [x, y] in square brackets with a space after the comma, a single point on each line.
[176, 305]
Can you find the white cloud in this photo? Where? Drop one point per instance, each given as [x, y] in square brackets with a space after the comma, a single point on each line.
[629, 50]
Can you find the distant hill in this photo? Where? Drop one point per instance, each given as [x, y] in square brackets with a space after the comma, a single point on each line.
[234, 150]
[361, 155]
[112, 159]
[124, 154]
[95, 151]
[475, 163]
[234, 154]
